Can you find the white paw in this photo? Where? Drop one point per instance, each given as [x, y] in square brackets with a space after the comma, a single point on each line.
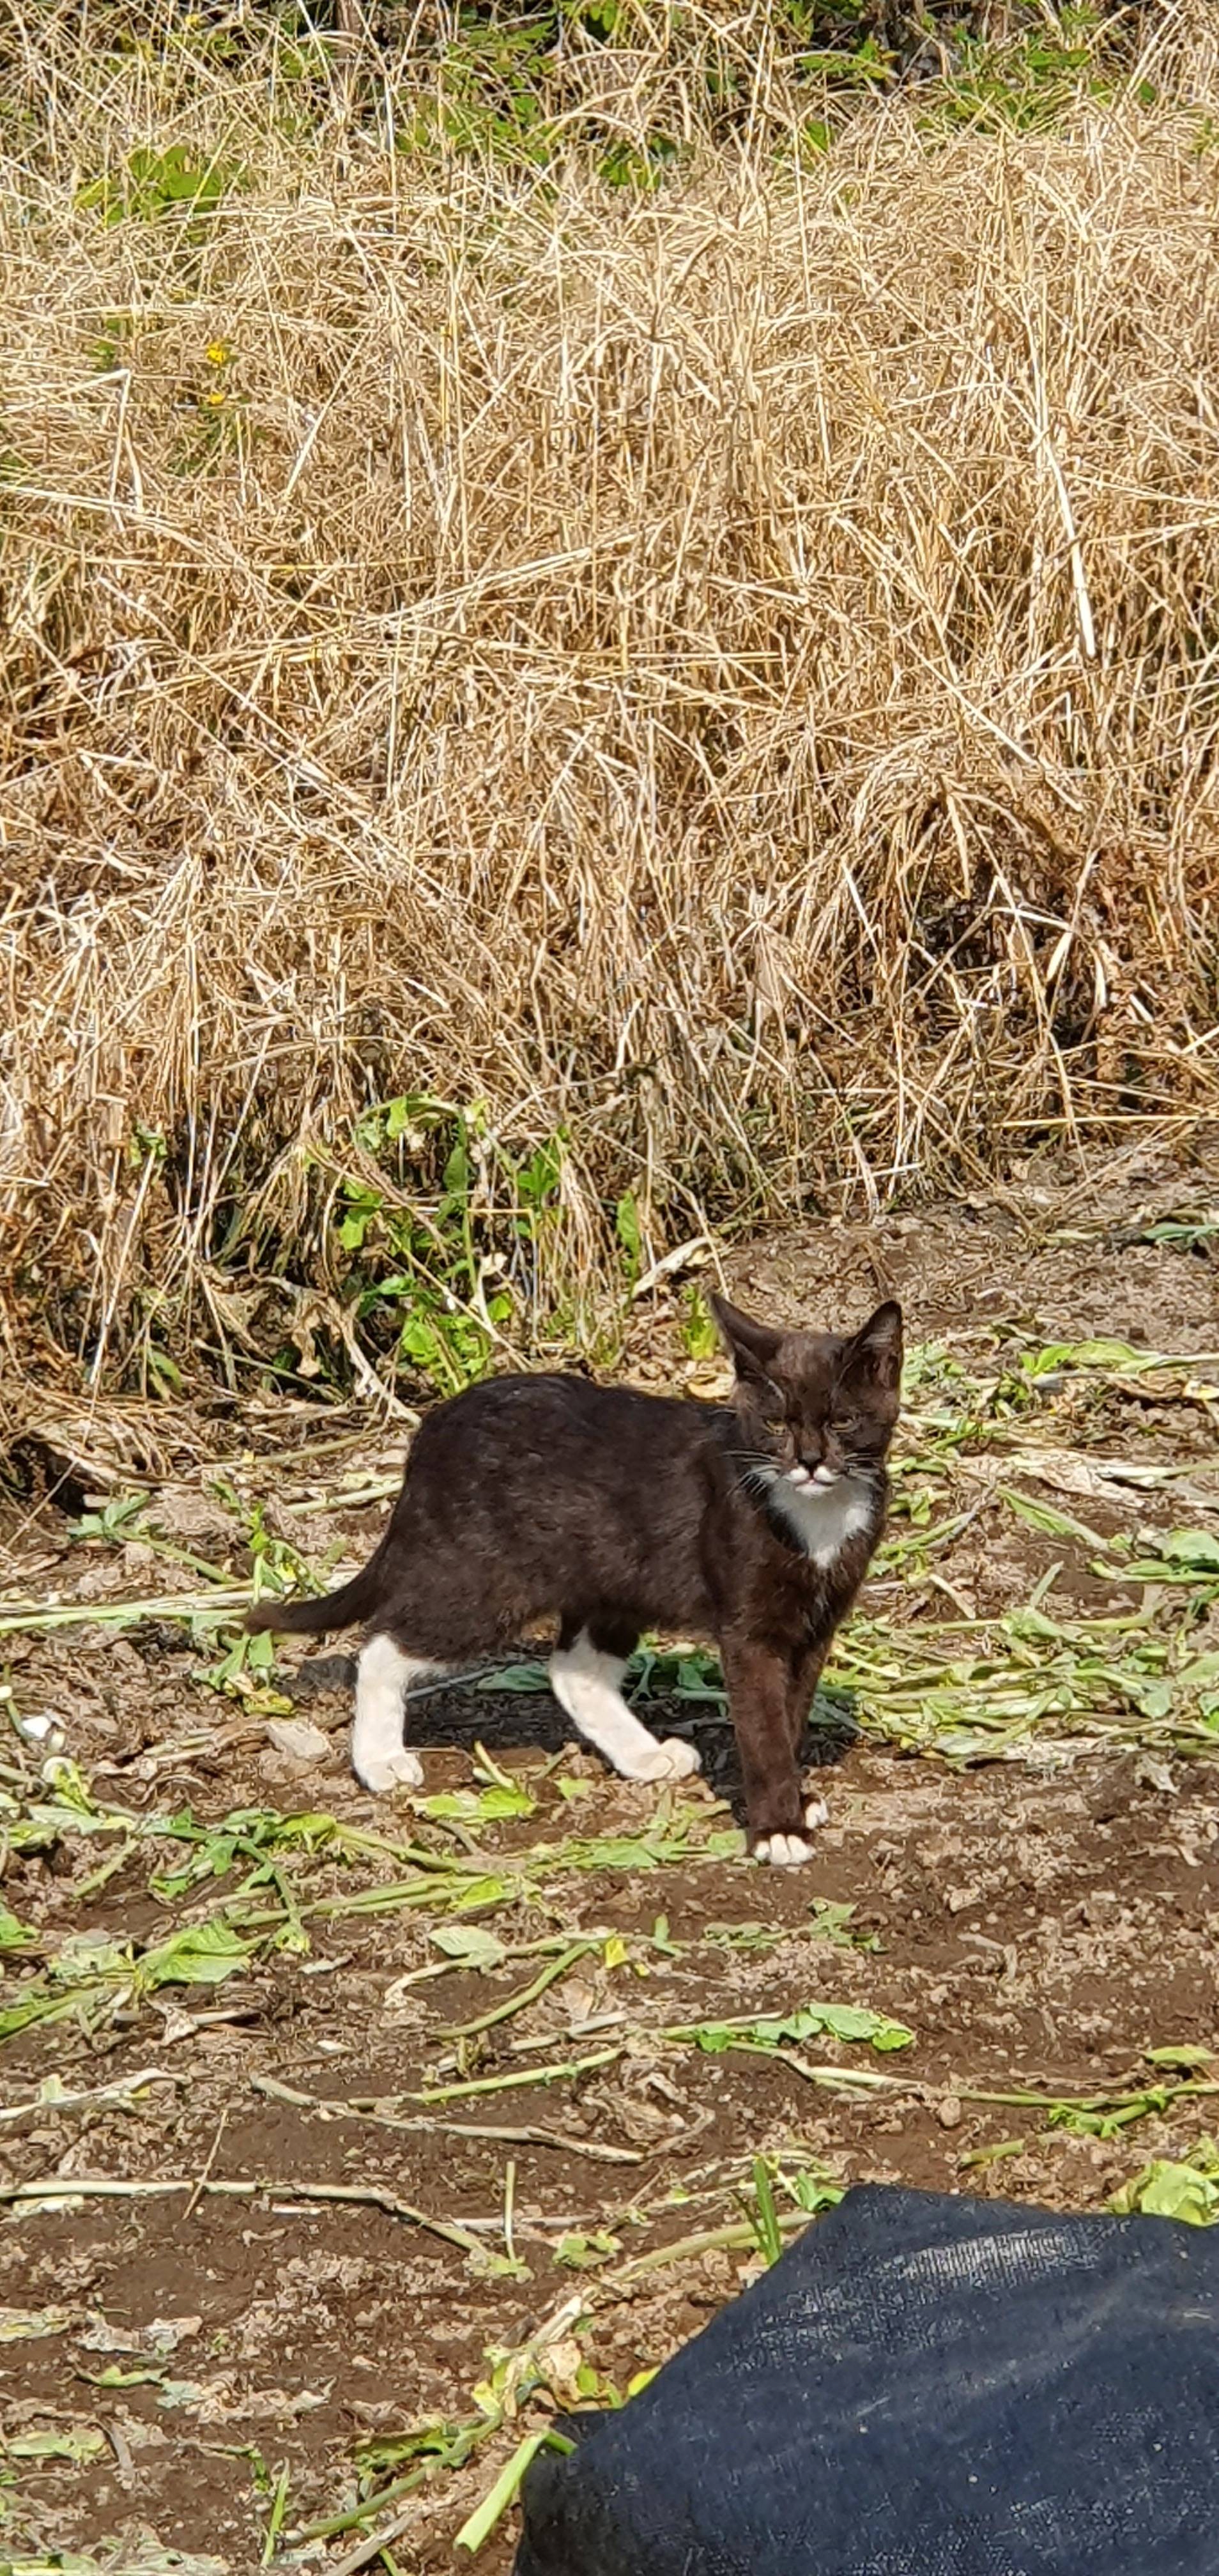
[673, 1759]
[783, 1851]
[816, 1813]
[383, 1772]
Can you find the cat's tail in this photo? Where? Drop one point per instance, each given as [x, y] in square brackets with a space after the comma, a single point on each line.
[353, 1601]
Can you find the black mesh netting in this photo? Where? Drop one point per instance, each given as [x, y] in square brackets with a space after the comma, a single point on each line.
[920, 2387]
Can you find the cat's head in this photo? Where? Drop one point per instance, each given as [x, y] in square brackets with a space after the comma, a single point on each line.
[821, 1405]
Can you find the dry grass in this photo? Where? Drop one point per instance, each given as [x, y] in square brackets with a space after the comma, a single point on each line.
[733, 671]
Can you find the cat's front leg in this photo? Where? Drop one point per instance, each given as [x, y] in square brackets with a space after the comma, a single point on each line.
[805, 1675]
[760, 1699]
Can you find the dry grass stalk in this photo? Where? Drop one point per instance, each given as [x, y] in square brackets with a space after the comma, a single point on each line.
[733, 671]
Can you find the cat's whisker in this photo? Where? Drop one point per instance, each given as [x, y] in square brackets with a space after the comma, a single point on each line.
[762, 1476]
[755, 1462]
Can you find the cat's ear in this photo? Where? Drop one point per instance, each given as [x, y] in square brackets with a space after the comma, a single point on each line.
[874, 1353]
[751, 1347]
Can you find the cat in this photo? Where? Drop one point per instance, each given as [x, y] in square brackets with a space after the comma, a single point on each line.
[607, 1511]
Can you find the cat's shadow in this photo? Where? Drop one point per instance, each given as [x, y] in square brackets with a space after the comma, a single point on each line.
[458, 1719]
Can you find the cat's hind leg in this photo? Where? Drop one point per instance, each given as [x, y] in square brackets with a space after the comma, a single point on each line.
[385, 1672]
[586, 1672]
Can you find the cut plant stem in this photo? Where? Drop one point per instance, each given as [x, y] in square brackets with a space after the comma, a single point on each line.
[16, 1616]
[372, 2108]
[279, 2502]
[478, 2529]
[333, 2525]
[59, 2187]
[524, 2076]
[709, 2240]
[376, 2543]
[525, 1995]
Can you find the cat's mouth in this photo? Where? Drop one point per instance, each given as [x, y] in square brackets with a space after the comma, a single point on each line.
[821, 1477]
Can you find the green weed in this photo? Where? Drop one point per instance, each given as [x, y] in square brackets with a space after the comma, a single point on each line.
[850, 2022]
[456, 1247]
[1187, 2190]
[641, 166]
[92, 1977]
[488, 99]
[700, 1336]
[150, 186]
[630, 1240]
[1026, 84]
[763, 2215]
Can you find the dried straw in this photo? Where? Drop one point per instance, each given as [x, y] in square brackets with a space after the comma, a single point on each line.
[732, 671]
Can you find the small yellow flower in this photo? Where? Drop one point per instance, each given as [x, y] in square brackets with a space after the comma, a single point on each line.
[215, 398]
[218, 355]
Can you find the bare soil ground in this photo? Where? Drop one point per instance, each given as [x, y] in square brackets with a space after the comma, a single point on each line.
[328, 2206]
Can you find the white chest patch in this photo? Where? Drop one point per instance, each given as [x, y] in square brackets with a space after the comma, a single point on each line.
[822, 1517]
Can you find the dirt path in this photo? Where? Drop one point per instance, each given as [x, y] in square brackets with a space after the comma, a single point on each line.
[415, 2121]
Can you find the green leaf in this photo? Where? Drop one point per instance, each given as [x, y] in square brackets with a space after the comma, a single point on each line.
[35, 2007]
[699, 1678]
[89, 1954]
[698, 1330]
[1168, 2190]
[114, 2376]
[451, 2444]
[457, 1172]
[1175, 2191]
[473, 1894]
[616, 1851]
[80, 2443]
[832, 1921]
[813, 2192]
[418, 1341]
[28, 2325]
[851, 2022]
[521, 1678]
[469, 1946]
[893, 2035]
[476, 1806]
[1186, 1231]
[538, 1179]
[581, 2252]
[1055, 1524]
[1191, 1547]
[626, 1227]
[203, 1954]
[73, 1791]
[1095, 1354]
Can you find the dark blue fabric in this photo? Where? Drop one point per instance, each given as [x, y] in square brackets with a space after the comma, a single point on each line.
[921, 2386]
